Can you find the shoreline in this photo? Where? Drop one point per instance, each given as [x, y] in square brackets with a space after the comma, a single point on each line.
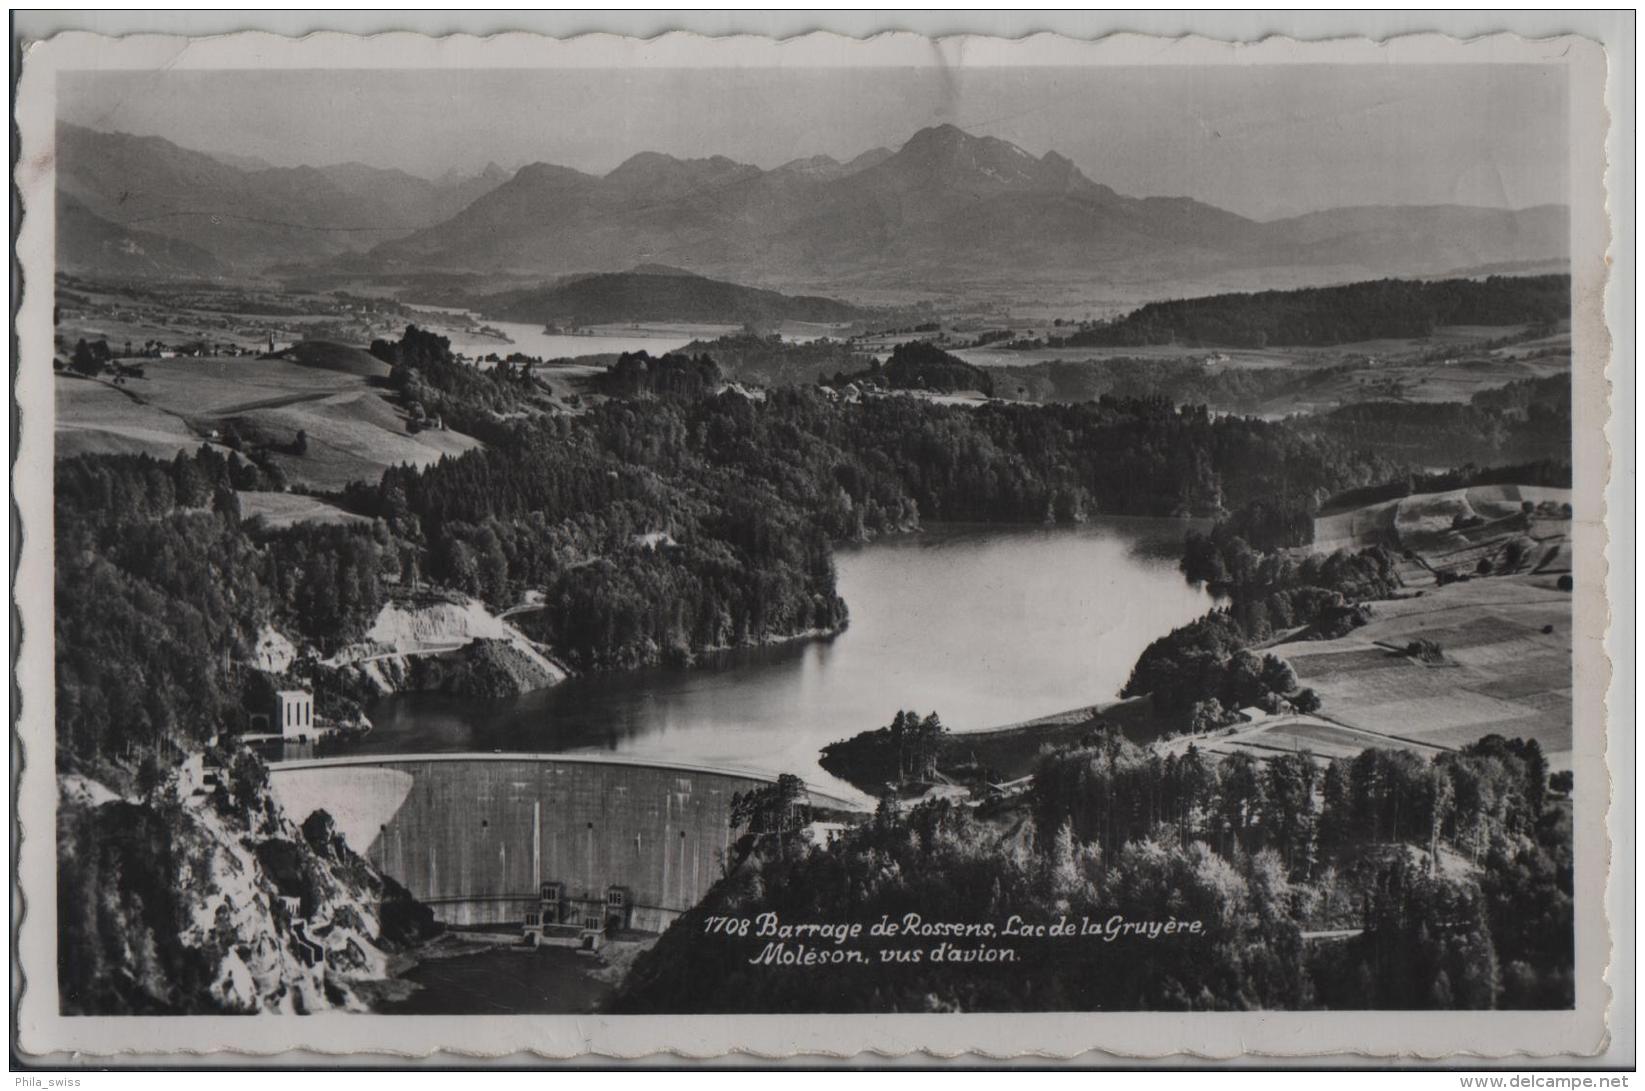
[1011, 751]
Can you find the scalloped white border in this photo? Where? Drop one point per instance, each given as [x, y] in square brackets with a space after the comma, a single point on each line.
[1131, 1036]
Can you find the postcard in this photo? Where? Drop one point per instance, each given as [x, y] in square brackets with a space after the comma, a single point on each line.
[609, 547]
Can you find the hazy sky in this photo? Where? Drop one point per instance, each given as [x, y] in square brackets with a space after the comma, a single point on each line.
[1265, 141]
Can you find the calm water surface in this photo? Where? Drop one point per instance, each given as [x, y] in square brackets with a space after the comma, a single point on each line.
[656, 338]
[987, 626]
[529, 338]
[508, 981]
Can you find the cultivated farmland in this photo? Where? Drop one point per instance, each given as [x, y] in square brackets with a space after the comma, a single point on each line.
[351, 430]
[1504, 668]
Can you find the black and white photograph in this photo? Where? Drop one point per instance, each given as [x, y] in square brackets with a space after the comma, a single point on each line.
[1050, 531]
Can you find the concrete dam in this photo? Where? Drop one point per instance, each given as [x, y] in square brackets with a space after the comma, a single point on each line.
[477, 836]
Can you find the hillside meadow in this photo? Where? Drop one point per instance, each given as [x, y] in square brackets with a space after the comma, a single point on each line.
[353, 430]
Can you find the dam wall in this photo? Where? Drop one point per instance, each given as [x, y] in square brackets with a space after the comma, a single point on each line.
[475, 836]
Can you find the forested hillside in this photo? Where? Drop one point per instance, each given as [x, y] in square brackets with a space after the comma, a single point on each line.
[1523, 421]
[920, 365]
[1337, 315]
[770, 361]
[1381, 882]
[1200, 674]
[1181, 380]
[658, 527]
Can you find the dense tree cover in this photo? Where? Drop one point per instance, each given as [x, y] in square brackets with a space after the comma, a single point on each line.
[1287, 521]
[673, 374]
[768, 360]
[1336, 315]
[751, 494]
[162, 591]
[1201, 671]
[1181, 380]
[1528, 397]
[1518, 423]
[905, 750]
[1553, 473]
[1451, 877]
[920, 365]
[429, 377]
[657, 527]
[1266, 523]
[1522, 420]
[90, 358]
[777, 808]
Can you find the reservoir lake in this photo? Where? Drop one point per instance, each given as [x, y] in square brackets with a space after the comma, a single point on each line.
[655, 338]
[987, 626]
[534, 340]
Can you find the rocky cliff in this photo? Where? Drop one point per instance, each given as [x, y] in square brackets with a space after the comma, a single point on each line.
[452, 646]
[211, 899]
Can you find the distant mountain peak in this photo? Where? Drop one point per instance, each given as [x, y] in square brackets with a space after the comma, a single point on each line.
[945, 200]
[945, 133]
[644, 161]
[656, 269]
[812, 165]
[955, 160]
[873, 157]
[535, 173]
[651, 162]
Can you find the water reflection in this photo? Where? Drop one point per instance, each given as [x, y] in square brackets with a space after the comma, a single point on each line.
[987, 626]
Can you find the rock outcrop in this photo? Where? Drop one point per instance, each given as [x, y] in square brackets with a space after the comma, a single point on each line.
[218, 902]
[455, 647]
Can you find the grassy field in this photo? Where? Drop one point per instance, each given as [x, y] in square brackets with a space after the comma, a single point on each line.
[1500, 673]
[1506, 637]
[283, 509]
[247, 314]
[97, 417]
[1450, 366]
[1454, 531]
[354, 432]
[1290, 734]
[1505, 668]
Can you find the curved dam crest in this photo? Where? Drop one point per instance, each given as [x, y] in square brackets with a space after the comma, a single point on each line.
[475, 836]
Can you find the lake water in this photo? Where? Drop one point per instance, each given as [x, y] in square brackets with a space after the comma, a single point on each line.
[987, 626]
[529, 338]
[503, 981]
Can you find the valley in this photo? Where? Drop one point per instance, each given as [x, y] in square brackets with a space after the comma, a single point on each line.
[1087, 534]
[955, 213]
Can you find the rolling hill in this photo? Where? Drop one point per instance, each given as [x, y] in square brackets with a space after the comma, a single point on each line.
[657, 294]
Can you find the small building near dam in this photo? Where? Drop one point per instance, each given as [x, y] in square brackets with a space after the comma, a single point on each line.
[479, 837]
[294, 711]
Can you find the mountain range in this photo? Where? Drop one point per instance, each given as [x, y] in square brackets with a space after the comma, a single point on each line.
[945, 206]
[144, 204]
